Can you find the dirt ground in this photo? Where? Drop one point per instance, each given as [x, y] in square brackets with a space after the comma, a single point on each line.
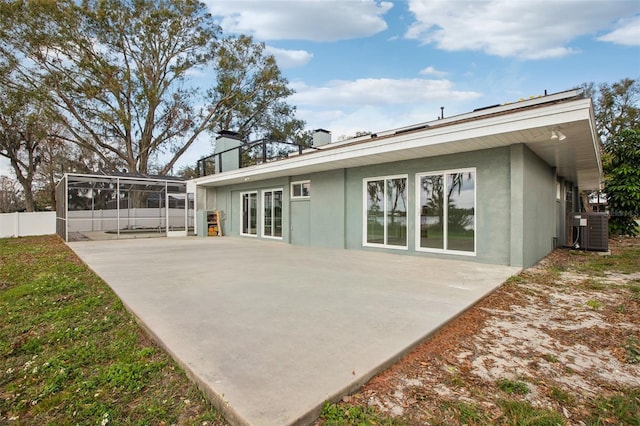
[566, 329]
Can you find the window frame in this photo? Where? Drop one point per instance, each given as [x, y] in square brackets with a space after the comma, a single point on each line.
[365, 218]
[300, 197]
[242, 233]
[263, 216]
[418, 207]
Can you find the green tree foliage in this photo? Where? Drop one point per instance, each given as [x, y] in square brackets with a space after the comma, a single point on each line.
[622, 179]
[617, 114]
[188, 172]
[121, 76]
[617, 108]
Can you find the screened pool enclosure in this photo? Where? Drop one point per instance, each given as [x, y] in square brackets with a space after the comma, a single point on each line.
[100, 206]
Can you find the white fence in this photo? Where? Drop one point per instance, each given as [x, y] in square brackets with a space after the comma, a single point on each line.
[24, 224]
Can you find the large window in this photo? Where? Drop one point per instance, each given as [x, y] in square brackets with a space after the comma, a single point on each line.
[446, 211]
[249, 211]
[272, 213]
[385, 206]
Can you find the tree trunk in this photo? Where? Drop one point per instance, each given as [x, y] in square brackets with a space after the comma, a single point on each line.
[29, 203]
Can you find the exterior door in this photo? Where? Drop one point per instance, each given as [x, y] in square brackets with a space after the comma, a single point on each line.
[300, 223]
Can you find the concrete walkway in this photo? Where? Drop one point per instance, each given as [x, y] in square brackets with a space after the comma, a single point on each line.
[269, 330]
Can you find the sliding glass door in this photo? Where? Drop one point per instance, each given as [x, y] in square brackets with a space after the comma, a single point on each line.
[446, 211]
[385, 204]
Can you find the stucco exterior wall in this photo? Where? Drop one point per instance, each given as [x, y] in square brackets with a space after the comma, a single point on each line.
[492, 200]
[321, 217]
[533, 207]
[516, 212]
[228, 202]
[327, 209]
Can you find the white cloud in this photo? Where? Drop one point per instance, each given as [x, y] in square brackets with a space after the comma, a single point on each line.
[377, 91]
[313, 20]
[290, 58]
[366, 119]
[627, 32]
[347, 107]
[432, 71]
[528, 29]
[373, 118]
[346, 123]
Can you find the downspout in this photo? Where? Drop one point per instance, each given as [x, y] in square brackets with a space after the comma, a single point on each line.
[166, 209]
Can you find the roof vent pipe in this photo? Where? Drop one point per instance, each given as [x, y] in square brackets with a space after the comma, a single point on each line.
[321, 137]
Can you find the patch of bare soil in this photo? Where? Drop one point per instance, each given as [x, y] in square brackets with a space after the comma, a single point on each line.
[554, 327]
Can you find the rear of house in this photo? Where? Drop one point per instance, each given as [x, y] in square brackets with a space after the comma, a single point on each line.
[496, 185]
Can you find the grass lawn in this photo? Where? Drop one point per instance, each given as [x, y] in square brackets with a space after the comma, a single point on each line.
[70, 353]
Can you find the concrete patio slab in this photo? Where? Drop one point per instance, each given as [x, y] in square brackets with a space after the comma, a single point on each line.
[270, 331]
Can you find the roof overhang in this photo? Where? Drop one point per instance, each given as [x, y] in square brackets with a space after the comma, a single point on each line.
[576, 157]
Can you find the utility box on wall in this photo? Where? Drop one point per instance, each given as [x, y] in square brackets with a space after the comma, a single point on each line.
[589, 231]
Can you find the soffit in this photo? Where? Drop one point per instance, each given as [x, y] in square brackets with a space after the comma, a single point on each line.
[576, 157]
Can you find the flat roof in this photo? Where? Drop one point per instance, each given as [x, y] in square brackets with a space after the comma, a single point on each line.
[530, 122]
[150, 182]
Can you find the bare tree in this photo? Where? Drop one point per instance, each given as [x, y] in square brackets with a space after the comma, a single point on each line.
[10, 195]
[22, 134]
[120, 76]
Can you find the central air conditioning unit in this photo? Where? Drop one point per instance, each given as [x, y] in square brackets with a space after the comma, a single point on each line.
[588, 231]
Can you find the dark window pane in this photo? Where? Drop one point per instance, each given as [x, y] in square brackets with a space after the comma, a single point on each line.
[268, 213]
[460, 212]
[249, 211]
[431, 212]
[375, 212]
[397, 212]
[306, 189]
[277, 214]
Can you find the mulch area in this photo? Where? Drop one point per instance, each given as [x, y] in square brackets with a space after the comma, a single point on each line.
[560, 330]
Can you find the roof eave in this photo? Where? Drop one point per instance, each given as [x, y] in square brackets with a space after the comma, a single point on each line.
[492, 130]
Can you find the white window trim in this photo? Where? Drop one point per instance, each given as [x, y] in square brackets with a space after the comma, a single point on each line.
[300, 197]
[262, 216]
[242, 194]
[445, 218]
[365, 243]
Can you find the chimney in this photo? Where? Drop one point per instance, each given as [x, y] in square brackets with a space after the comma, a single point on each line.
[321, 137]
[229, 160]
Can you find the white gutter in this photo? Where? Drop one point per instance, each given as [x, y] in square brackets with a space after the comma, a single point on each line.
[551, 115]
[555, 97]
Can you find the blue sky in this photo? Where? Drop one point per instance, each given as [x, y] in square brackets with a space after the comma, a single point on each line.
[367, 65]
